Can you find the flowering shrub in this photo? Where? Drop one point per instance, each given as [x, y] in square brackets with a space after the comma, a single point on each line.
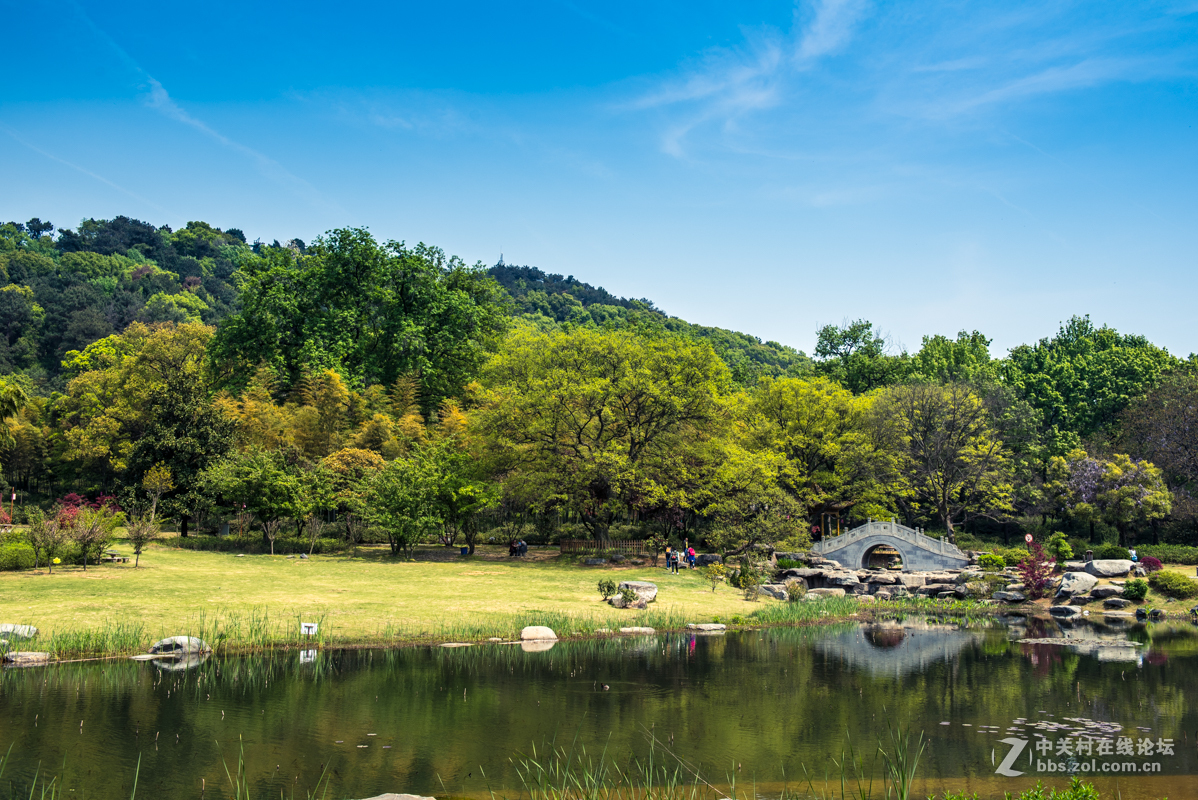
[1035, 570]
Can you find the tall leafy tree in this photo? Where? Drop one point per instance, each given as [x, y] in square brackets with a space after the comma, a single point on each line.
[833, 458]
[603, 422]
[371, 312]
[1162, 427]
[952, 464]
[854, 355]
[1082, 378]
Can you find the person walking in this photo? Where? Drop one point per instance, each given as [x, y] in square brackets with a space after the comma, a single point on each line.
[668, 554]
[690, 557]
[674, 562]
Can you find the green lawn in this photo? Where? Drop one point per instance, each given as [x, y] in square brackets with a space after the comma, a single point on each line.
[365, 597]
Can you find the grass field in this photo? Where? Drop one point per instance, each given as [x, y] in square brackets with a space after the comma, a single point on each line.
[367, 597]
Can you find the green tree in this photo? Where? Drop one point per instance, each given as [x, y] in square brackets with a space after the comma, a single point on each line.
[854, 355]
[93, 530]
[833, 458]
[952, 464]
[963, 360]
[1081, 379]
[260, 483]
[403, 499]
[371, 312]
[602, 422]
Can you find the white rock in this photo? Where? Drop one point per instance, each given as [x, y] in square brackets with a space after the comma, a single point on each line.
[11, 631]
[1109, 567]
[638, 630]
[707, 626]
[532, 633]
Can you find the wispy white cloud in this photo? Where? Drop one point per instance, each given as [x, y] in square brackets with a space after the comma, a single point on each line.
[84, 170]
[727, 84]
[831, 28]
[157, 98]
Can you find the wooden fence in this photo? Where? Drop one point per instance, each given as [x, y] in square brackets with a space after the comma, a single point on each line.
[628, 546]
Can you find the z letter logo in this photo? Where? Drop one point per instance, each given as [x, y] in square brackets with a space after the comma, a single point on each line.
[1004, 768]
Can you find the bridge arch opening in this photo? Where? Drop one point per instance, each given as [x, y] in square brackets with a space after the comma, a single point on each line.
[883, 556]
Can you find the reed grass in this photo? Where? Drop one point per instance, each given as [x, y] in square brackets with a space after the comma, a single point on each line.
[257, 630]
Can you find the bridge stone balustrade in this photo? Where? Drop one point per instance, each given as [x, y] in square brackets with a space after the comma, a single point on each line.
[919, 553]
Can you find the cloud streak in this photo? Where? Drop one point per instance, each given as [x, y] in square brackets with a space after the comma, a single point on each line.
[159, 99]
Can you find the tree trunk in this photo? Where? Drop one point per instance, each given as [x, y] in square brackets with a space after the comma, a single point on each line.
[183, 520]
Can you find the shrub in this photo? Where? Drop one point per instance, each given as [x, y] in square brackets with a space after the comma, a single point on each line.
[1150, 564]
[1171, 553]
[1058, 547]
[751, 590]
[1136, 589]
[789, 563]
[1111, 551]
[1173, 584]
[715, 574]
[607, 587]
[795, 589]
[628, 596]
[1036, 571]
[990, 562]
[17, 555]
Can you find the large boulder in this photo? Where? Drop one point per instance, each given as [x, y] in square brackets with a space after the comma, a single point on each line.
[707, 559]
[1109, 567]
[1101, 592]
[775, 590]
[931, 589]
[179, 646]
[841, 579]
[806, 573]
[619, 601]
[911, 581]
[1065, 612]
[26, 658]
[644, 590]
[594, 561]
[534, 633]
[1075, 583]
[1009, 597]
[707, 627]
[883, 579]
[824, 593]
[639, 630]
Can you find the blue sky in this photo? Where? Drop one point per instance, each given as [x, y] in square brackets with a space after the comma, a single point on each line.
[762, 166]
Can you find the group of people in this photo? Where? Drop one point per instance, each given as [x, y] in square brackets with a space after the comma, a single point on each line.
[517, 548]
[676, 555]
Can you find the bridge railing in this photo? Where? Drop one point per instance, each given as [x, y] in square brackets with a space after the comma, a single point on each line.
[888, 528]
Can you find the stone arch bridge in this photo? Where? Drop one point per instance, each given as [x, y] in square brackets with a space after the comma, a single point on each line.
[919, 553]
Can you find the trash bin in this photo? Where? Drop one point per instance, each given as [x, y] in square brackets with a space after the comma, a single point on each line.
[465, 551]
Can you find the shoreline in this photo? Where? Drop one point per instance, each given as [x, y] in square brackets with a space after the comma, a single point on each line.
[76, 646]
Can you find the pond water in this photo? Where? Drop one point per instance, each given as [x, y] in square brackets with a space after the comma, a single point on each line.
[757, 705]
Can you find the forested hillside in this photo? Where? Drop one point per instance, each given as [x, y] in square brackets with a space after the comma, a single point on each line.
[391, 388]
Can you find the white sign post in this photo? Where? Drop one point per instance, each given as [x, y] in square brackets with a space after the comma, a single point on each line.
[308, 628]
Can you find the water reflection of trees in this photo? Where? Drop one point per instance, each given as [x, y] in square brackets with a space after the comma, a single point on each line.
[767, 698]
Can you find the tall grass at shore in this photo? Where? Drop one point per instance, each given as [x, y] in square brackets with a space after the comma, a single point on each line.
[257, 630]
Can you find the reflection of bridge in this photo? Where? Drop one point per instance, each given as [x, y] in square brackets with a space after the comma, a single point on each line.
[897, 650]
[918, 552]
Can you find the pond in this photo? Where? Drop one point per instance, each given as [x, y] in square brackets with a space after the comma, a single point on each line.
[758, 706]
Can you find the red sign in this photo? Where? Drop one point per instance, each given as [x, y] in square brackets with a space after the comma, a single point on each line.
[1028, 538]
